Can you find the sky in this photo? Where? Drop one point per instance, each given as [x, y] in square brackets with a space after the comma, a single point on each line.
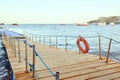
[56, 11]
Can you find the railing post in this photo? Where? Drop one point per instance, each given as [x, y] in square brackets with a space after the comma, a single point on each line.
[40, 39]
[32, 37]
[12, 44]
[57, 76]
[35, 38]
[27, 35]
[50, 41]
[33, 61]
[24, 33]
[56, 41]
[66, 43]
[14, 47]
[100, 49]
[44, 40]
[109, 50]
[26, 57]
[19, 50]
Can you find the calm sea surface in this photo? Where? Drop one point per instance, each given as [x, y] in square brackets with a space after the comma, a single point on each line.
[90, 33]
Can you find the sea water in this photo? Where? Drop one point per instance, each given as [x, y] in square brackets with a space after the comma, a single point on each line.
[72, 32]
[5, 67]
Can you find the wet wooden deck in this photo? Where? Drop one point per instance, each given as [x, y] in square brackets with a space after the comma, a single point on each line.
[71, 65]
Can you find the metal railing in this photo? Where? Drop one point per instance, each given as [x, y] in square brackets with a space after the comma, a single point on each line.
[66, 43]
[35, 54]
[47, 40]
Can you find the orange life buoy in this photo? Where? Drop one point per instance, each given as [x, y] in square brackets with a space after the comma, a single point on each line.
[81, 39]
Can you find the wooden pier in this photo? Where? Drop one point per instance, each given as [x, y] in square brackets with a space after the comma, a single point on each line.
[70, 65]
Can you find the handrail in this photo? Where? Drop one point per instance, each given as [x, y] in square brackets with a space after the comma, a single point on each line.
[38, 55]
[30, 45]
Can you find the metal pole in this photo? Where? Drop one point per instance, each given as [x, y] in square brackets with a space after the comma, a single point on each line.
[32, 37]
[26, 57]
[66, 43]
[44, 40]
[27, 34]
[57, 76]
[109, 50]
[36, 38]
[12, 43]
[33, 61]
[39, 38]
[100, 49]
[56, 41]
[19, 51]
[50, 41]
[14, 47]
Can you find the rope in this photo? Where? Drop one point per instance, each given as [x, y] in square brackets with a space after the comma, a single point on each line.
[116, 41]
[44, 63]
[91, 37]
[105, 37]
[115, 57]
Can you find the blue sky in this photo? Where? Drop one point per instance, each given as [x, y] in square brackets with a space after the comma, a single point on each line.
[56, 11]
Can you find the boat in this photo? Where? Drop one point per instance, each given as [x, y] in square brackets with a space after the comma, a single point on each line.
[62, 24]
[2, 24]
[15, 24]
[82, 24]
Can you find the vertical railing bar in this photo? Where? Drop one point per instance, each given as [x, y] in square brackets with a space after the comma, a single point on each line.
[57, 75]
[44, 40]
[32, 37]
[14, 47]
[19, 50]
[50, 41]
[109, 50]
[100, 49]
[56, 41]
[33, 61]
[26, 57]
[11, 43]
[40, 39]
[66, 43]
[23, 32]
[27, 34]
[35, 38]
